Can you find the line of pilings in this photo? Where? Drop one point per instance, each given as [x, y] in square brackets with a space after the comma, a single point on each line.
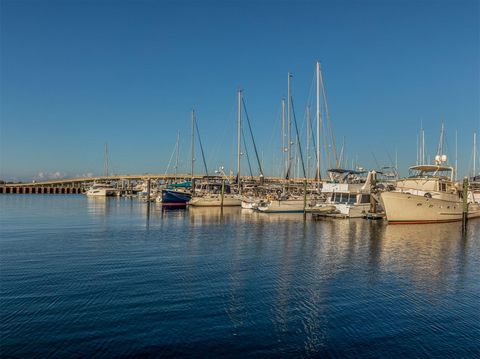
[40, 190]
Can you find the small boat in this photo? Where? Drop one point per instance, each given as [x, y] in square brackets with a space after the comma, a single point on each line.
[251, 202]
[282, 206]
[174, 197]
[101, 190]
[176, 194]
[347, 195]
[208, 193]
[215, 200]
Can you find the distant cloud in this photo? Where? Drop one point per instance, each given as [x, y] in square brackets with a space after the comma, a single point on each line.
[51, 175]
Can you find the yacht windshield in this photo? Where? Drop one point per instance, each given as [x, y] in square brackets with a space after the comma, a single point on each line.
[429, 173]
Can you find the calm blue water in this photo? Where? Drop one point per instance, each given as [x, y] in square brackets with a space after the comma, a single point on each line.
[107, 278]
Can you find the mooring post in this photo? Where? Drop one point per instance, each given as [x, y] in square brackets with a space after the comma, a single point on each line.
[304, 199]
[465, 203]
[373, 201]
[223, 192]
[148, 190]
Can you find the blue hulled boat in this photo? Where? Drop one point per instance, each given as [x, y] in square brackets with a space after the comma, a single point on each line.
[172, 197]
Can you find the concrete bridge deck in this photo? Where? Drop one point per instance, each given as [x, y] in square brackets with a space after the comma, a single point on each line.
[79, 185]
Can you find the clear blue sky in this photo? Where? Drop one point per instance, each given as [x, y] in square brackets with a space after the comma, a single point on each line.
[77, 74]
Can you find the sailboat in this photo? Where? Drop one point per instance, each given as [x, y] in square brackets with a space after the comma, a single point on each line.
[176, 194]
[474, 192]
[209, 193]
[284, 202]
[103, 189]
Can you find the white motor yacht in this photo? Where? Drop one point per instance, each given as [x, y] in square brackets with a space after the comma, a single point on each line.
[101, 190]
[428, 195]
[347, 196]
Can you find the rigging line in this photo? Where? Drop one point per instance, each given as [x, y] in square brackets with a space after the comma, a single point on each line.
[327, 152]
[201, 148]
[298, 141]
[313, 138]
[375, 159]
[253, 139]
[329, 123]
[171, 157]
[246, 153]
[392, 163]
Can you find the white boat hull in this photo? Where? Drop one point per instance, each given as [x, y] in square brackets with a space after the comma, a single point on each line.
[287, 206]
[101, 193]
[340, 210]
[407, 208]
[215, 202]
[249, 205]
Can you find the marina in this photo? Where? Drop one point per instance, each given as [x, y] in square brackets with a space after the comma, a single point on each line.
[239, 179]
[230, 283]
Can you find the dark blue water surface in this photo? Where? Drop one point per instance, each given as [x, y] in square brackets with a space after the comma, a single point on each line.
[108, 278]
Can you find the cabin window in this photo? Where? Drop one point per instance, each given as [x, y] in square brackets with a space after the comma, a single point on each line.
[365, 198]
[443, 187]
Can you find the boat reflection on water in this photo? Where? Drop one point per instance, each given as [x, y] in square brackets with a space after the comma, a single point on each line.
[212, 215]
[432, 253]
[173, 207]
[98, 206]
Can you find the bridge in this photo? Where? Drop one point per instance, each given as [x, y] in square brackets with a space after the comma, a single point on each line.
[126, 182]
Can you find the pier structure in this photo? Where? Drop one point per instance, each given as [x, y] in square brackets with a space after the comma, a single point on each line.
[122, 182]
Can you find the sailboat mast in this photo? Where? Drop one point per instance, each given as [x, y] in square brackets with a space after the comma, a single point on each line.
[308, 140]
[239, 132]
[105, 164]
[423, 146]
[456, 154]
[319, 123]
[284, 161]
[193, 143]
[176, 158]
[474, 153]
[289, 110]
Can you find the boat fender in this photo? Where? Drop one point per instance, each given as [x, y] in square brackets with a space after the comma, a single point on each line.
[427, 195]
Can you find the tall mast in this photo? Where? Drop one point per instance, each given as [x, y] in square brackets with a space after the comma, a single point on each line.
[474, 153]
[456, 154]
[319, 123]
[396, 160]
[284, 161]
[329, 123]
[308, 140]
[289, 110]
[239, 135]
[105, 164]
[177, 150]
[423, 146]
[193, 142]
[418, 149]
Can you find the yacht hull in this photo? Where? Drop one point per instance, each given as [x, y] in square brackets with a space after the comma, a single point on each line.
[101, 193]
[282, 207]
[215, 202]
[409, 209]
[172, 198]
